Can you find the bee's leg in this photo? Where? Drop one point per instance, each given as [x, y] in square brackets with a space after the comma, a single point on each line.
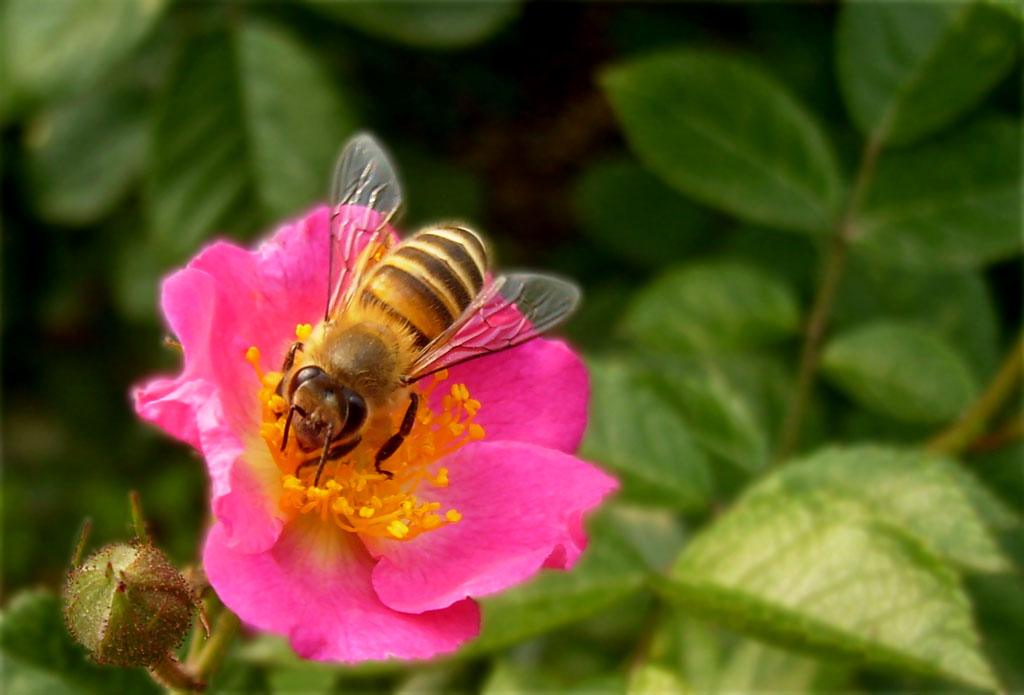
[289, 360]
[391, 445]
[287, 426]
[323, 454]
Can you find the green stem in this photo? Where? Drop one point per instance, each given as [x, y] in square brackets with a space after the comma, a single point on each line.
[83, 536]
[171, 674]
[818, 321]
[210, 656]
[200, 632]
[137, 519]
[972, 423]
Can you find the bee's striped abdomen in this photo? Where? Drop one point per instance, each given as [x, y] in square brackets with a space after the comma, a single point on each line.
[428, 280]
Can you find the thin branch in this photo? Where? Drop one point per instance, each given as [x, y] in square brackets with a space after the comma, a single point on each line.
[1006, 433]
[818, 321]
[972, 423]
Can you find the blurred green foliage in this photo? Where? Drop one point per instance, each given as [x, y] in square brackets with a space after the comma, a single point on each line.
[694, 167]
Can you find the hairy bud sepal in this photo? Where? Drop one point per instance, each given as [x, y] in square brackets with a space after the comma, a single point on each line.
[128, 605]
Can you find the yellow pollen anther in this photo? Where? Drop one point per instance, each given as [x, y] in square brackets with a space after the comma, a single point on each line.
[351, 493]
[342, 506]
[252, 355]
[303, 330]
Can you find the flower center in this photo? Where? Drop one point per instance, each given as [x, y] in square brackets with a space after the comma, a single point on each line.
[351, 492]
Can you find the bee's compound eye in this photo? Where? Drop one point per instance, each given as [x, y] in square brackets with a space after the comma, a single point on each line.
[356, 411]
[302, 376]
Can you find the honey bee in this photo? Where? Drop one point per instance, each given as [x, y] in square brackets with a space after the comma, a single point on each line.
[397, 312]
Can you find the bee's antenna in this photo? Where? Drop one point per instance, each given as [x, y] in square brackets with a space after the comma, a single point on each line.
[287, 427]
[323, 455]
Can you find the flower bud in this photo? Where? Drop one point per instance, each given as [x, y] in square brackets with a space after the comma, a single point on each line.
[128, 605]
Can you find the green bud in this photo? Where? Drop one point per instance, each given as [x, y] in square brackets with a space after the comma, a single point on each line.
[128, 605]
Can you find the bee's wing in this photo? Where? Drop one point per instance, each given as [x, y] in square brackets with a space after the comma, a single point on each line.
[510, 310]
[363, 177]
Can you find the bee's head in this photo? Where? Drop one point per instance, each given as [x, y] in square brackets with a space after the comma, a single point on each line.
[321, 403]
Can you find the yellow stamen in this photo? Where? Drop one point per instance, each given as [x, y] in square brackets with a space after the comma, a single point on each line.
[252, 355]
[303, 330]
[351, 493]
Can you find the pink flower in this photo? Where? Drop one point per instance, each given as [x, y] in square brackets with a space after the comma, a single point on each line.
[486, 489]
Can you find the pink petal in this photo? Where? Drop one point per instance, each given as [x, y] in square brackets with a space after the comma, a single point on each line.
[171, 403]
[536, 392]
[225, 301]
[314, 586]
[521, 506]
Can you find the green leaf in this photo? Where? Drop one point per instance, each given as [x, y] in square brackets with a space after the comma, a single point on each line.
[951, 203]
[633, 431]
[57, 49]
[729, 403]
[648, 677]
[836, 554]
[1003, 470]
[617, 198]
[39, 657]
[724, 132]
[999, 602]
[931, 497]
[83, 154]
[610, 570]
[900, 370]
[246, 131]
[294, 115]
[606, 297]
[437, 25]
[907, 70]
[508, 678]
[236, 676]
[301, 679]
[791, 257]
[656, 535]
[699, 658]
[956, 305]
[710, 308]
